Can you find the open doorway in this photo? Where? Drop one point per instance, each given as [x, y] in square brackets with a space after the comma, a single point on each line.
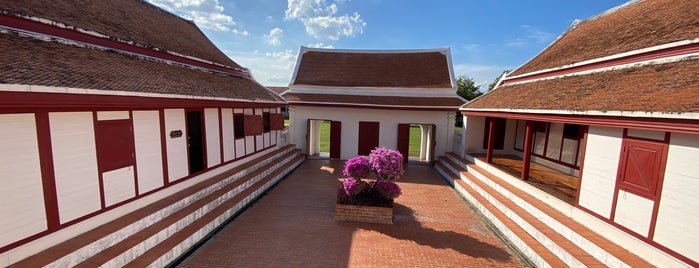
[417, 142]
[323, 138]
[195, 142]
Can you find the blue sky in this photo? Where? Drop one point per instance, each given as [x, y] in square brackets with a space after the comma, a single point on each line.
[485, 36]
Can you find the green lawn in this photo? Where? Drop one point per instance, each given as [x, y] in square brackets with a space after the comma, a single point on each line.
[415, 133]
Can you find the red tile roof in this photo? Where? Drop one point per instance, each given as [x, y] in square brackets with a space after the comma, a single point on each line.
[666, 85]
[346, 68]
[130, 20]
[639, 25]
[669, 88]
[440, 103]
[39, 62]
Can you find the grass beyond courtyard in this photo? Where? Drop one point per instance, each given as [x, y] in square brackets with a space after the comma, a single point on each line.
[415, 134]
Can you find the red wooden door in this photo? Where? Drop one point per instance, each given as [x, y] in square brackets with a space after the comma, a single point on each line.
[403, 145]
[368, 137]
[640, 167]
[335, 139]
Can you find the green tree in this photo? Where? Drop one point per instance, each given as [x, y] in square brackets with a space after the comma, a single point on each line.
[495, 82]
[466, 88]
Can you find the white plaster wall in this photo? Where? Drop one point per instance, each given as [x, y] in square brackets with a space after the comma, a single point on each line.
[22, 212]
[599, 174]
[259, 142]
[569, 151]
[75, 164]
[228, 134]
[646, 134]
[177, 165]
[553, 148]
[633, 212]
[118, 185]
[388, 133]
[474, 126]
[213, 141]
[509, 144]
[113, 115]
[149, 159]
[240, 147]
[677, 224]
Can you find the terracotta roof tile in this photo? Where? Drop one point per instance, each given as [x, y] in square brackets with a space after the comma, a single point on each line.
[427, 69]
[636, 26]
[670, 87]
[30, 61]
[131, 20]
[433, 102]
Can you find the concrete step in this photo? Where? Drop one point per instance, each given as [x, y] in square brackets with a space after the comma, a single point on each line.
[118, 242]
[570, 241]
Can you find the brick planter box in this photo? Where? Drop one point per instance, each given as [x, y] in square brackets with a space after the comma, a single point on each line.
[363, 213]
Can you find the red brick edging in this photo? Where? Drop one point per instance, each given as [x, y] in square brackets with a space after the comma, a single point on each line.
[363, 213]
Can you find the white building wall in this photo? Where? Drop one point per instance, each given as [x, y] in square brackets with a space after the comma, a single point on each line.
[633, 212]
[213, 141]
[147, 141]
[677, 224]
[553, 148]
[119, 185]
[22, 211]
[228, 134]
[177, 165]
[75, 164]
[599, 173]
[388, 133]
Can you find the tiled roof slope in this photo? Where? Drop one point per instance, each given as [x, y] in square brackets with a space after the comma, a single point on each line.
[634, 26]
[31, 61]
[431, 102]
[132, 20]
[403, 69]
[667, 88]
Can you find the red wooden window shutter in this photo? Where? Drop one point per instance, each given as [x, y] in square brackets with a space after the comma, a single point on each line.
[276, 121]
[253, 125]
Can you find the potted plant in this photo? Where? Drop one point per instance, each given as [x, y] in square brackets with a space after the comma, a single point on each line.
[368, 192]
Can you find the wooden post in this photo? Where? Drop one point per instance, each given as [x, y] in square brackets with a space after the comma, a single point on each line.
[491, 140]
[528, 135]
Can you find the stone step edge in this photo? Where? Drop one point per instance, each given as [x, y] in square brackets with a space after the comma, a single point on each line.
[126, 250]
[175, 247]
[117, 229]
[569, 252]
[596, 245]
[530, 248]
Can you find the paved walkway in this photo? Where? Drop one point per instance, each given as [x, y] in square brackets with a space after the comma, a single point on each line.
[293, 226]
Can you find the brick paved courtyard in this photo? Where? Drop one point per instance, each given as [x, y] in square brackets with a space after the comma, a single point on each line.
[293, 226]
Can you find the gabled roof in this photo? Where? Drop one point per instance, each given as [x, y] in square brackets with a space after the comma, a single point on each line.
[393, 79]
[639, 59]
[121, 45]
[373, 68]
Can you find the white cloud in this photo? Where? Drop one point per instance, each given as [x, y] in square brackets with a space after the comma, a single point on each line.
[274, 37]
[321, 21]
[207, 14]
[320, 45]
[531, 35]
[268, 68]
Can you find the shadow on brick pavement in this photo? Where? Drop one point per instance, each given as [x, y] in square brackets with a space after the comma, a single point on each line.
[293, 226]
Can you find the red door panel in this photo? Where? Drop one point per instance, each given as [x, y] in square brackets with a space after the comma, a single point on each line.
[403, 145]
[335, 139]
[368, 137]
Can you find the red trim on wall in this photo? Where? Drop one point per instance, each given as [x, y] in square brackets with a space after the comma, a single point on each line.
[650, 55]
[163, 148]
[14, 100]
[47, 29]
[133, 149]
[100, 178]
[48, 177]
[659, 188]
[364, 106]
[220, 135]
[660, 124]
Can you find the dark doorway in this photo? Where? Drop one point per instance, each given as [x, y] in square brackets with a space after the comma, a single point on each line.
[195, 141]
[499, 136]
[368, 137]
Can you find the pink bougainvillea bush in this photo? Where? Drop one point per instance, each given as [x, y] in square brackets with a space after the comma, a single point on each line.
[370, 179]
